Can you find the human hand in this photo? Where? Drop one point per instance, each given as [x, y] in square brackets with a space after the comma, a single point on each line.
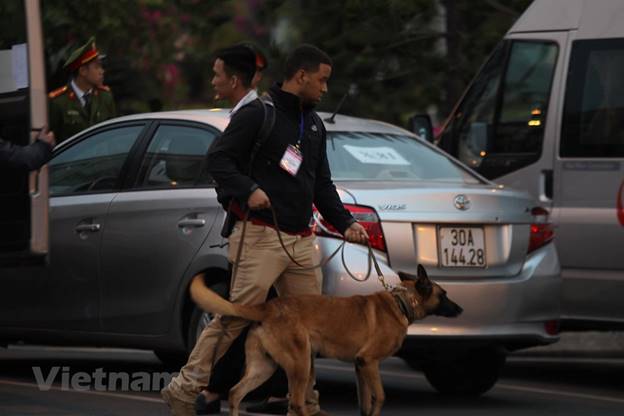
[47, 136]
[258, 200]
[356, 234]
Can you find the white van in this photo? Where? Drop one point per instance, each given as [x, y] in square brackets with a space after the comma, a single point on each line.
[546, 114]
[23, 111]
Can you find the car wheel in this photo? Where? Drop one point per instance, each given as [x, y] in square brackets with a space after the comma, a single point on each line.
[197, 321]
[469, 374]
[200, 319]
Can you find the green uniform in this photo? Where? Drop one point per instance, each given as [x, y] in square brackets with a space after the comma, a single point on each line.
[68, 116]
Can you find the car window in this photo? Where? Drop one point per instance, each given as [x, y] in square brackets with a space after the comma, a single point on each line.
[593, 118]
[176, 157]
[392, 157]
[94, 164]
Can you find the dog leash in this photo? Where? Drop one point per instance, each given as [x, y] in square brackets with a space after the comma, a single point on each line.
[371, 259]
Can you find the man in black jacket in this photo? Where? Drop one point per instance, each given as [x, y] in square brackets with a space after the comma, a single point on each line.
[30, 157]
[289, 174]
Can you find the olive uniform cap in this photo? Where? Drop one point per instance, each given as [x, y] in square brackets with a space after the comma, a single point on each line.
[84, 54]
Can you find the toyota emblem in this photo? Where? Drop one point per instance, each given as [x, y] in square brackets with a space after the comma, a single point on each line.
[462, 202]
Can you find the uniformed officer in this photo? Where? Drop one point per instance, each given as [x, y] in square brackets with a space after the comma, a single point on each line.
[85, 100]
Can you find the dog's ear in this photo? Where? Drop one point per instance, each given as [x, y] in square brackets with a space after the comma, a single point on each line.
[423, 284]
[422, 272]
[406, 276]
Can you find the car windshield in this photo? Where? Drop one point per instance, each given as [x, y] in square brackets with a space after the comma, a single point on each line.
[383, 156]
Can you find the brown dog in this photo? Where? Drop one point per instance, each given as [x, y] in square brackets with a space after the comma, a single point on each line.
[360, 329]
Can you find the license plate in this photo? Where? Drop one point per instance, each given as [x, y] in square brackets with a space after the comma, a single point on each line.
[461, 247]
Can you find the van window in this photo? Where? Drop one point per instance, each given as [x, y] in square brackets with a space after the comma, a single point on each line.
[14, 103]
[499, 126]
[593, 118]
[476, 111]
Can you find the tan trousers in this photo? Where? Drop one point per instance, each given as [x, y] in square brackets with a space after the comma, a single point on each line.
[263, 264]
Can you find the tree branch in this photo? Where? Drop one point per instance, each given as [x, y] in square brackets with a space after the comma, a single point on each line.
[502, 8]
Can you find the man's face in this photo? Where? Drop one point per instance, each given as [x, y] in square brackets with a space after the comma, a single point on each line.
[314, 84]
[93, 73]
[222, 83]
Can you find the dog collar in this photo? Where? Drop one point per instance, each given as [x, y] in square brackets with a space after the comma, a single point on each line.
[403, 305]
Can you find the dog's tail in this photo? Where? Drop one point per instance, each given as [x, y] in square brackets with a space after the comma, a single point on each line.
[210, 301]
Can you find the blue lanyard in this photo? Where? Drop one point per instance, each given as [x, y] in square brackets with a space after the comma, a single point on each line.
[301, 127]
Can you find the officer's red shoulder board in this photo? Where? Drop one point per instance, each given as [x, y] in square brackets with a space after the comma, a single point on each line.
[58, 91]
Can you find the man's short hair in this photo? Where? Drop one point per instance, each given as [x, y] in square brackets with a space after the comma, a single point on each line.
[306, 57]
[238, 60]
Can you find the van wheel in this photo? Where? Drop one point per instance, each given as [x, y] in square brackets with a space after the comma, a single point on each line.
[469, 374]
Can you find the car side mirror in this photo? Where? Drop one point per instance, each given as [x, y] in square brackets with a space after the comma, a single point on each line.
[422, 126]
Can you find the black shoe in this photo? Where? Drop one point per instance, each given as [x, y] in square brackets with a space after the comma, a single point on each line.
[273, 407]
[202, 407]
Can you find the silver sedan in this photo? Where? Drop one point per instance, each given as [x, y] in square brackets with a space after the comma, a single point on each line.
[134, 215]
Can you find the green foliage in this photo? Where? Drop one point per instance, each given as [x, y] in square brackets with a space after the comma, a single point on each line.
[391, 53]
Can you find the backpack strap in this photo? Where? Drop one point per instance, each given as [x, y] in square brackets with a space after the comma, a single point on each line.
[268, 121]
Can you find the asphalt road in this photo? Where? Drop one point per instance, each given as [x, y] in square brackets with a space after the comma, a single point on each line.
[91, 382]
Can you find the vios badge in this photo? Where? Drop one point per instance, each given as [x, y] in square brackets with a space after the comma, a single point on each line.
[462, 202]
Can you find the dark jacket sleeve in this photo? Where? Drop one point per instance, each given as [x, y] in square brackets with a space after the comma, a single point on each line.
[326, 198]
[228, 157]
[25, 158]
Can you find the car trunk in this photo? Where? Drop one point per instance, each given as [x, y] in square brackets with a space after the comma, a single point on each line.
[421, 224]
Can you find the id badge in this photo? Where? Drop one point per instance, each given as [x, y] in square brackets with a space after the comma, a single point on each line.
[291, 161]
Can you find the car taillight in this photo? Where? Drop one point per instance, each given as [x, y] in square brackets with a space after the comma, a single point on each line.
[366, 216]
[542, 230]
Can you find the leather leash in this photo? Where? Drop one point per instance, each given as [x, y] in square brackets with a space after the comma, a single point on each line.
[371, 260]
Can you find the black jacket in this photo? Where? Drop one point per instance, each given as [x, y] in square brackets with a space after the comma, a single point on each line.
[25, 158]
[292, 197]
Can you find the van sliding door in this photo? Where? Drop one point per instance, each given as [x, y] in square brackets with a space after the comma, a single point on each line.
[590, 172]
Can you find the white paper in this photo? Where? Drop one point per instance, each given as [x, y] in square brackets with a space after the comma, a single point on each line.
[382, 155]
[20, 65]
[7, 83]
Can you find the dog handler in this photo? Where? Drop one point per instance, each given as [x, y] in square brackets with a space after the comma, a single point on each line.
[237, 71]
[290, 173]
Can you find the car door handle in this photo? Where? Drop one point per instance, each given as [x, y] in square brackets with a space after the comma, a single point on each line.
[88, 227]
[192, 222]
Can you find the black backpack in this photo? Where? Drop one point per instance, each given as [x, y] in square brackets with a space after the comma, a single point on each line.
[268, 122]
